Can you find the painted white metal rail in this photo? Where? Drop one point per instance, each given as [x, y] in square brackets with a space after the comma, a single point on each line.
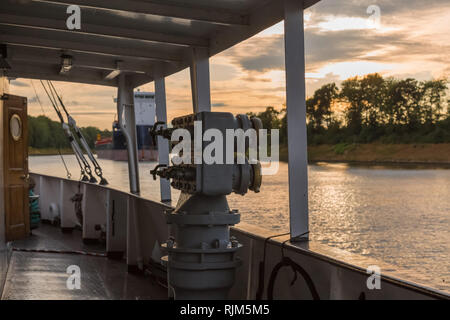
[137, 226]
[129, 221]
[163, 144]
[296, 118]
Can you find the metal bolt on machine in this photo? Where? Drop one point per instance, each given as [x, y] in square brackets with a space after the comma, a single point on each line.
[202, 259]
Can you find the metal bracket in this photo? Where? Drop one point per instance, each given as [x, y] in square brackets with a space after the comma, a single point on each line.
[159, 130]
[301, 238]
[157, 171]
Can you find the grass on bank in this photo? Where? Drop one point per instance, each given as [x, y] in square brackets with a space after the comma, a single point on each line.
[378, 152]
[348, 152]
[48, 151]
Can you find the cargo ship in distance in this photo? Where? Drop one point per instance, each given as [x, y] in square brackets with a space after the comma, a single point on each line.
[115, 148]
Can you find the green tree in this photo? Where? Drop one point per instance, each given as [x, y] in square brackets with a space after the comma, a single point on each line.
[318, 107]
[433, 99]
[351, 93]
[46, 133]
[90, 133]
[373, 94]
[405, 98]
[269, 117]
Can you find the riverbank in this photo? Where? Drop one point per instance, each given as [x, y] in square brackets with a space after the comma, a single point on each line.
[378, 153]
[374, 152]
[48, 151]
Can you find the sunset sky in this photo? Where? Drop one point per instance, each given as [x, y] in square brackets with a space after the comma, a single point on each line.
[341, 41]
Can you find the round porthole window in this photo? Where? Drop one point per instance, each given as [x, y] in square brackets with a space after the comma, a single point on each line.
[15, 127]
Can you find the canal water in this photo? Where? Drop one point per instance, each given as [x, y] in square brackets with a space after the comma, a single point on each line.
[399, 215]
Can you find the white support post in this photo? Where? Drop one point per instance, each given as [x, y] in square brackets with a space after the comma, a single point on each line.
[62, 215]
[84, 207]
[296, 118]
[201, 92]
[134, 254]
[3, 251]
[127, 122]
[163, 144]
[41, 204]
[116, 224]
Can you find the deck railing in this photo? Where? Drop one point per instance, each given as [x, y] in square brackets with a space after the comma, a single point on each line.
[135, 227]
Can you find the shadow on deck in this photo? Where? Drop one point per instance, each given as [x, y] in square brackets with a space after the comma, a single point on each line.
[43, 275]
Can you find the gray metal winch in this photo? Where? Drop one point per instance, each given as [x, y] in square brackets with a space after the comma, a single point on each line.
[202, 259]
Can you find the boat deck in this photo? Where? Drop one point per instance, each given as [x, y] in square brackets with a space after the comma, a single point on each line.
[37, 274]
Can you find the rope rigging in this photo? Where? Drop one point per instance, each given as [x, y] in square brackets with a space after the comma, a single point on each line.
[84, 143]
[83, 176]
[69, 175]
[86, 172]
[37, 97]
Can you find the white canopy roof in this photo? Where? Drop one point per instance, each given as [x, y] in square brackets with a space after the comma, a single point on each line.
[132, 36]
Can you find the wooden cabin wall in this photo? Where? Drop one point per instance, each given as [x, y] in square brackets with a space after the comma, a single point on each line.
[4, 88]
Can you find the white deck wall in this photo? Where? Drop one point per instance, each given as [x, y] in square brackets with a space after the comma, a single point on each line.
[335, 273]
